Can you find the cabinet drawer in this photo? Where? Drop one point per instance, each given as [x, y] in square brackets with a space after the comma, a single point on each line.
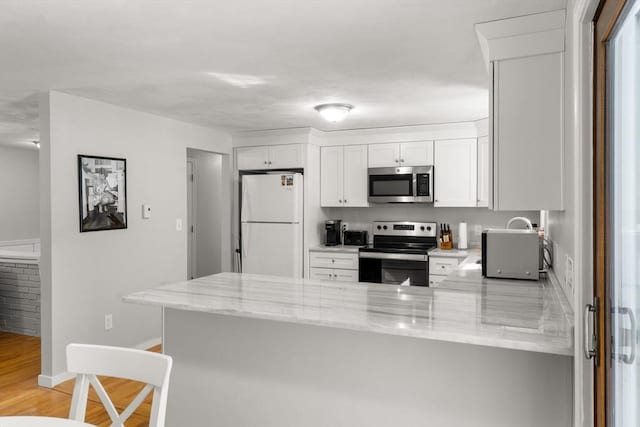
[345, 275]
[333, 260]
[434, 281]
[321, 273]
[330, 274]
[442, 266]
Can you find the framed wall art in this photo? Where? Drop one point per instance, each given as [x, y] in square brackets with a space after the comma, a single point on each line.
[102, 189]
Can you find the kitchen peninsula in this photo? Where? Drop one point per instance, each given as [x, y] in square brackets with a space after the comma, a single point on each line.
[272, 351]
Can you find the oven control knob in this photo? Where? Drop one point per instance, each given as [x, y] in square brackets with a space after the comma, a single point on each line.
[384, 227]
[422, 228]
[379, 228]
[428, 228]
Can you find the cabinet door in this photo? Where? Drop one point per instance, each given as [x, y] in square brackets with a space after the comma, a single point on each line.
[384, 155]
[455, 172]
[249, 158]
[321, 273]
[527, 133]
[331, 176]
[286, 156]
[416, 153]
[355, 176]
[483, 171]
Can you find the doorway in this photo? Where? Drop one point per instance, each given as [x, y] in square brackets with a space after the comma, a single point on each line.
[617, 211]
[206, 210]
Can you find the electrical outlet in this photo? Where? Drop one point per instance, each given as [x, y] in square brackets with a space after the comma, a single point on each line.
[178, 224]
[568, 272]
[345, 226]
[108, 321]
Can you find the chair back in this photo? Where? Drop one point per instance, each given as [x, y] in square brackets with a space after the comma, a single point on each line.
[88, 361]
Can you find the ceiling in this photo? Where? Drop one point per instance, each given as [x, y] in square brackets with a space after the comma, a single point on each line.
[251, 64]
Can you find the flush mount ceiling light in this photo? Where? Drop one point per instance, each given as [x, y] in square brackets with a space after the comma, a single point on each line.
[335, 112]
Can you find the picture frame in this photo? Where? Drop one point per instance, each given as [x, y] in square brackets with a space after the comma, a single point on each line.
[102, 193]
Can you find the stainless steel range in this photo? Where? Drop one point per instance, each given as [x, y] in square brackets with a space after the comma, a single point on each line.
[399, 253]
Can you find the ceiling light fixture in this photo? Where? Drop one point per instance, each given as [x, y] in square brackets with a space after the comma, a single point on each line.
[335, 112]
[36, 143]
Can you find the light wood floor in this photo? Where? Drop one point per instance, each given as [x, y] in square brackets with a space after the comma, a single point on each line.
[21, 395]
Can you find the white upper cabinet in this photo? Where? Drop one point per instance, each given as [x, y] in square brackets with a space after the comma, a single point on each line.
[355, 175]
[270, 157]
[384, 155]
[483, 171]
[527, 133]
[252, 158]
[286, 156]
[455, 169]
[525, 60]
[331, 179]
[343, 176]
[416, 153]
[401, 154]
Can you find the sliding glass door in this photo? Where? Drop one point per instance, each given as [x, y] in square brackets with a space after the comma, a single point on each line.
[623, 101]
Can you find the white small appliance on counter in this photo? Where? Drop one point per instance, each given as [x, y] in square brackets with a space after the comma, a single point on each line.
[272, 224]
[512, 253]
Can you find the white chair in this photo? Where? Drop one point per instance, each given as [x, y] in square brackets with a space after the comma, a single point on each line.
[88, 361]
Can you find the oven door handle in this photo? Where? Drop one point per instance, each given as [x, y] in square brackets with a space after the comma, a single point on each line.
[400, 257]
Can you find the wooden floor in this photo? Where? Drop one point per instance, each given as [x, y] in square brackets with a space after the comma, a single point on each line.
[21, 395]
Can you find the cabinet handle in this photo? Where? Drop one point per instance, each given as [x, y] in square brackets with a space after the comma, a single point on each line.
[436, 200]
[402, 160]
[340, 201]
[345, 200]
[397, 161]
[266, 163]
[333, 260]
[269, 161]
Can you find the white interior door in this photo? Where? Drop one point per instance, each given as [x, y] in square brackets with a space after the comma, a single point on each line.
[624, 137]
[272, 248]
[191, 212]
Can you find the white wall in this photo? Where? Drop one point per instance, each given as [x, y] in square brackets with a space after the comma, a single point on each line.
[571, 230]
[85, 275]
[210, 207]
[19, 192]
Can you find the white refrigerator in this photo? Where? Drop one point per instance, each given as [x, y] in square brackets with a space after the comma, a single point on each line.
[271, 224]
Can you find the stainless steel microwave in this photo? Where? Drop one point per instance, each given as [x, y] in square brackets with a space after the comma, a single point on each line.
[401, 185]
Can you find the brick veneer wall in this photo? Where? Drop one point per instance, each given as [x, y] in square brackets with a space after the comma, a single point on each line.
[20, 298]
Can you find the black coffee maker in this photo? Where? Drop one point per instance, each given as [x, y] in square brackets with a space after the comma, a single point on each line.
[333, 232]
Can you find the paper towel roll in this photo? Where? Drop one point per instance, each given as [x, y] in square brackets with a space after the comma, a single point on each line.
[462, 235]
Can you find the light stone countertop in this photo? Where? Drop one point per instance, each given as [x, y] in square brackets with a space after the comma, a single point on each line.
[339, 248]
[465, 309]
[453, 253]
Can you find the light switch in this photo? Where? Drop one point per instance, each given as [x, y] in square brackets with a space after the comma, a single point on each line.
[178, 224]
[146, 211]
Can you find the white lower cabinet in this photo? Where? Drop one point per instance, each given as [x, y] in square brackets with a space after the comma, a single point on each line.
[333, 265]
[439, 269]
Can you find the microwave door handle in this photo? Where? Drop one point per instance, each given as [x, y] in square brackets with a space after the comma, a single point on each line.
[415, 185]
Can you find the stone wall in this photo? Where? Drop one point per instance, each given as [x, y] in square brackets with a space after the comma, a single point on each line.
[20, 298]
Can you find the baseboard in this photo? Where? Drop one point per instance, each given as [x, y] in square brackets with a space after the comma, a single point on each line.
[52, 381]
[146, 345]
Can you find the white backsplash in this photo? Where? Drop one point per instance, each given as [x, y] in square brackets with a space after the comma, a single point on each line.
[476, 218]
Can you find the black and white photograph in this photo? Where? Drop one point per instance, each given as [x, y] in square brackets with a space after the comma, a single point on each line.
[103, 193]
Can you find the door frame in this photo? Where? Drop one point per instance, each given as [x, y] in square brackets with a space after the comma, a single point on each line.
[191, 219]
[607, 15]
